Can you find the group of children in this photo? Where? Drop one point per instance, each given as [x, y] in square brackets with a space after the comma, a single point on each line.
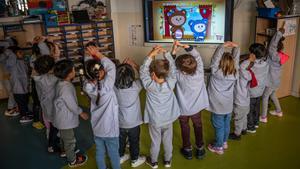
[113, 90]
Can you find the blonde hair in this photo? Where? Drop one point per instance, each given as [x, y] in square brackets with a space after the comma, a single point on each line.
[227, 64]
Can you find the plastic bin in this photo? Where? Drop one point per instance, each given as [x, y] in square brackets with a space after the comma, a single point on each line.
[268, 12]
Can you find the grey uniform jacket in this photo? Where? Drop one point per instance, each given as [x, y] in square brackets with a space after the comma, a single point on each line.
[220, 87]
[130, 114]
[18, 70]
[66, 109]
[161, 104]
[104, 118]
[191, 91]
[274, 62]
[260, 70]
[241, 92]
[45, 88]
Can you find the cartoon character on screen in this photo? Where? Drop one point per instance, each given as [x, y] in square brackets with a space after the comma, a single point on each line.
[199, 28]
[177, 19]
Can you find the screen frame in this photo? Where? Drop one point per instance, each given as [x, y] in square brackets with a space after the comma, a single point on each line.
[229, 12]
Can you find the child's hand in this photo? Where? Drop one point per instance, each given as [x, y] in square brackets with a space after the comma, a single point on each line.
[84, 116]
[175, 47]
[94, 52]
[155, 51]
[131, 63]
[252, 57]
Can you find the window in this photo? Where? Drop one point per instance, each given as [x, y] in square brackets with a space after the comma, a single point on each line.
[20, 4]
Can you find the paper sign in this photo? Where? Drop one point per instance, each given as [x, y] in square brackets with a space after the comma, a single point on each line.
[135, 35]
[290, 27]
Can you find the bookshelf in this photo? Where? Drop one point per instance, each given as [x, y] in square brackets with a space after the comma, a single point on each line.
[72, 39]
[262, 35]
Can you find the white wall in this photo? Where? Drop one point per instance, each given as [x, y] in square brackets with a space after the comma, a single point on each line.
[296, 80]
[130, 12]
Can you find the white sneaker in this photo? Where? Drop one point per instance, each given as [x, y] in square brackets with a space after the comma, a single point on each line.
[124, 158]
[263, 119]
[138, 162]
[274, 113]
[11, 113]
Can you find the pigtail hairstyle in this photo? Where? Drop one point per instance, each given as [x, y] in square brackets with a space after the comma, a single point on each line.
[92, 68]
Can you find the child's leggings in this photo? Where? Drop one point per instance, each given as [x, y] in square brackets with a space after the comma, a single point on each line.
[270, 92]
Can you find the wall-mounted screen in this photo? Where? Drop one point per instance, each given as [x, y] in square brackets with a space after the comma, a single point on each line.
[193, 21]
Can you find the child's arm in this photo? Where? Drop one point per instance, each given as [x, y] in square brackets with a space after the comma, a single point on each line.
[90, 89]
[244, 70]
[145, 70]
[274, 44]
[174, 48]
[215, 60]
[236, 52]
[70, 99]
[110, 73]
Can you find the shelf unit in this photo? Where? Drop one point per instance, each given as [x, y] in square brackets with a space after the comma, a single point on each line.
[73, 38]
[290, 44]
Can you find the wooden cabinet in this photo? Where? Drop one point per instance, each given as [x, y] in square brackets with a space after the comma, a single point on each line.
[264, 29]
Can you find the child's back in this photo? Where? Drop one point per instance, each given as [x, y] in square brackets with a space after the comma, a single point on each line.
[220, 87]
[129, 105]
[260, 69]
[191, 89]
[161, 104]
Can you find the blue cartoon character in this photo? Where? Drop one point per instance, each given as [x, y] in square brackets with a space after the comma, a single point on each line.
[199, 27]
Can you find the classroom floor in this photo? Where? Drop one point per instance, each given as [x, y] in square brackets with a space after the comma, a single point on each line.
[276, 145]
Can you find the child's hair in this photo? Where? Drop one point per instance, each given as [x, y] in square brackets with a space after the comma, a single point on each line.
[37, 51]
[160, 67]
[125, 76]
[280, 46]
[92, 68]
[63, 68]
[187, 64]
[259, 50]
[227, 64]
[44, 64]
[15, 49]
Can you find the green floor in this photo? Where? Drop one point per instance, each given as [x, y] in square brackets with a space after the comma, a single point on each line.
[275, 145]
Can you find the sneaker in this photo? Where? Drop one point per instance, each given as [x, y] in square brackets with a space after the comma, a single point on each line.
[25, 119]
[38, 125]
[217, 150]
[138, 162]
[244, 132]
[256, 126]
[263, 119]
[50, 150]
[251, 131]
[79, 161]
[11, 112]
[63, 153]
[233, 136]
[274, 113]
[200, 152]
[150, 163]
[167, 164]
[124, 158]
[225, 146]
[187, 153]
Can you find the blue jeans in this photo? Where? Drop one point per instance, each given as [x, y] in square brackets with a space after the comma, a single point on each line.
[221, 123]
[111, 145]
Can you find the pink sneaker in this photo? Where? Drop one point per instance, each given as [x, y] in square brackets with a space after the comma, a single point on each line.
[263, 119]
[225, 146]
[274, 113]
[217, 150]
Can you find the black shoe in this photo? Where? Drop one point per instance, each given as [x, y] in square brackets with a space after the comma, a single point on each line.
[244, 132]
[150, 163]
[187, 153]
[79, 161]
[200, 153]
[233, 136]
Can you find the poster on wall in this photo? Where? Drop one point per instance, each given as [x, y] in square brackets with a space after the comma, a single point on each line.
[290, 27]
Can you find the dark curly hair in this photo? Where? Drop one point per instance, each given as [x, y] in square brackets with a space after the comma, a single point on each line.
[44, 64]
[259, 50]
[63, 68]
[125, 76]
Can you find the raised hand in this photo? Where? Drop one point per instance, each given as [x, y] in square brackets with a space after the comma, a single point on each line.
[94, 52]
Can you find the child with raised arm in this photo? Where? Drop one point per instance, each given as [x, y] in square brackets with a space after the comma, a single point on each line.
[127, 89]
[159, 79]
[67, 111]
[101, 75]
[274, 75]
[260, 70]
[192, 97]
[224, 66]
